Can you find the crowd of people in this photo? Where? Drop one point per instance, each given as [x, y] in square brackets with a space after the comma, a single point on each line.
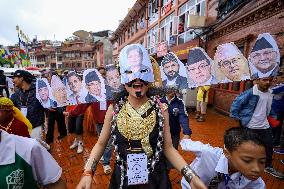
[140, 123]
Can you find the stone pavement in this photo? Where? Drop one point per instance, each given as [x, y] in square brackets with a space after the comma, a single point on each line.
[210, 131]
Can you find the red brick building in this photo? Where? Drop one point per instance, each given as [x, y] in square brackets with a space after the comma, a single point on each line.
[151, 22]
[78, 55]
[240, 22]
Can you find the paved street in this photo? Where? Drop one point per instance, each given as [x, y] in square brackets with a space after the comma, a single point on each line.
[209, 132]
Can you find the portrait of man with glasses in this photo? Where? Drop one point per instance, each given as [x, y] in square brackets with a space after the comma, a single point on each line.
[230, 64]
[264, 59]
[199, 68]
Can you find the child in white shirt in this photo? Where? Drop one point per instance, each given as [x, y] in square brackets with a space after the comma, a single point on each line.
[238, 166]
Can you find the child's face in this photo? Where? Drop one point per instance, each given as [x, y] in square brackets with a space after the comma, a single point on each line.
[248, 159]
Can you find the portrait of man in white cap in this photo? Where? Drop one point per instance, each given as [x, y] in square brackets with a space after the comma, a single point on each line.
[264, 58]
[43, 93]
[58, 91]
[230, 64]
[172, 67]
[95, 86]
[199, 68]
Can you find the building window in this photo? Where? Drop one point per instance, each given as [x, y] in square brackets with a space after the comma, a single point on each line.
[132, 29]
[224, 7]
[142, 23]
[136, 26]
[152, 39]
[128, 33]
[191, 7]
[153, 11]
[166, 28]
[167, 6]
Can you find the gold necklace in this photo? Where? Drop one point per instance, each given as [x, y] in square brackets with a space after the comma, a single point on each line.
[8, 126]
[133, 126]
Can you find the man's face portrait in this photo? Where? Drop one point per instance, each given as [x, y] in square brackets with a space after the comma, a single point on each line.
[264, 60]
[171, 70]
[233, 67]
[199, 72]
[75, 84]
[60, 95]
[113, 78]
[134, 58]
[43, 93]
[94, 88]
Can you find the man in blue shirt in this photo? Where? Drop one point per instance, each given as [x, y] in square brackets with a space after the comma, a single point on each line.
[177, 116]
[252, 108]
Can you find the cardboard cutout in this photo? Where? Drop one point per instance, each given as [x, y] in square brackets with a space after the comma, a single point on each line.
[44, 94]
[134, 62]
[59, 91]
[173, 72]
[95, 85]
[199, 68]
[75, 89]
[113, 84]
[230, 64]
[264, 58]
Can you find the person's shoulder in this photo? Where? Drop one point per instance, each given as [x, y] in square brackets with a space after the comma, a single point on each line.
[24, 145]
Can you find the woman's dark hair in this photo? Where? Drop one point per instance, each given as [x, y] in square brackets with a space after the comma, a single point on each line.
[152, 91]
[236, 136]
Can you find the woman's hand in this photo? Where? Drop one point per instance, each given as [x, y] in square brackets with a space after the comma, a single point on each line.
[196, 183]
[85, 183]
[66, 114]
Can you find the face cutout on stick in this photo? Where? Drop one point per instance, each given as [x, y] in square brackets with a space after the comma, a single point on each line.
[230, 64]
[264, 58]
[135, 63]
[59, 91]
[75, 91]
[95, 85]
[173, 71]
[112, 77]
[44, 94]
[199, 68]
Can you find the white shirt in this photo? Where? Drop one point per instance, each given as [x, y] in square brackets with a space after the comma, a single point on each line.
[44, 167]
[259, 117]
[171, 82]
[210, 161]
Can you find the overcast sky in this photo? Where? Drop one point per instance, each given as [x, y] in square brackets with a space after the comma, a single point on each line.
[60, 18]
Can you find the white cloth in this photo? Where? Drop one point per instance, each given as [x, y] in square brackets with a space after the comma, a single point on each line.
[210, 161]
[172, 82]
[37, 133]
[10, 82]
[261, 111]
[44, 167]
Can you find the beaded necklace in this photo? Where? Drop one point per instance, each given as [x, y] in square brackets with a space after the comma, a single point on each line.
[159, 147]
[8, 126]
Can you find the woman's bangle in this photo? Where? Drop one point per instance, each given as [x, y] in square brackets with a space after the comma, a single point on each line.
[91, 165]
[188, 173]
[88, 173]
